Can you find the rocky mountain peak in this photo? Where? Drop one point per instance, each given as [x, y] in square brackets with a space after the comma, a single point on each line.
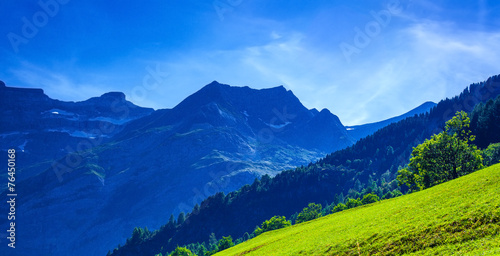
[114, 95]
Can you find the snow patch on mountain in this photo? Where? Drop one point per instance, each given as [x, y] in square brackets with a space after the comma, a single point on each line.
[223, 113]
[4, 135]
[21, 147]
[111, 120]
[58, 113]
[78, 134]
[278, 126]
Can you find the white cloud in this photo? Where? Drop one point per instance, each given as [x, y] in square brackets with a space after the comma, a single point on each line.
[275, 35]
[455, 56]
[430, 61]
[57, 85]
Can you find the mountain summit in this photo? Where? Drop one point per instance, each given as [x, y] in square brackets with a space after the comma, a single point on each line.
[264, 115]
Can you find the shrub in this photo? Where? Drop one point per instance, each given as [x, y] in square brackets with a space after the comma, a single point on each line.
[311, 212]
[275, 222]
[369, 198]
[339, 207]
[351, 203]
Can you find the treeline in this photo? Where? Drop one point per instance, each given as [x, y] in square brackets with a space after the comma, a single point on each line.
[370, 166]
[485, 122]
[311, 212]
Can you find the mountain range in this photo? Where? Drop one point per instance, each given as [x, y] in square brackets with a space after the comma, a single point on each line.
[93, 170]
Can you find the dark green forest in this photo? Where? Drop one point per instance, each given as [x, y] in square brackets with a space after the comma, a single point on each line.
[369, 166]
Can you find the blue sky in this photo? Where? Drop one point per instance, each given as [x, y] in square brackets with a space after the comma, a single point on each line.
[365, 60]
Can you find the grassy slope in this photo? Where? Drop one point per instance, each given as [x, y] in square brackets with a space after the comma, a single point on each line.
[459, 217]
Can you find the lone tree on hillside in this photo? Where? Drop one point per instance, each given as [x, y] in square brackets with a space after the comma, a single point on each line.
[446, 156]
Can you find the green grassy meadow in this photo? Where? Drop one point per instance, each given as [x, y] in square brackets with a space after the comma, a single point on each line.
[460, 217]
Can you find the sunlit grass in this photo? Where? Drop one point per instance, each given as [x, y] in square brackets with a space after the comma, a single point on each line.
[461, 217]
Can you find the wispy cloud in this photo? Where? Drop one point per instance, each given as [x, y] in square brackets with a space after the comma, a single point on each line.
[430, 61]
[444, 52]
[57, 85]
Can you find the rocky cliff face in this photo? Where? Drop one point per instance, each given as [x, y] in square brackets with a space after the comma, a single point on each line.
[265, 115]
[44, 129]
[26, 108]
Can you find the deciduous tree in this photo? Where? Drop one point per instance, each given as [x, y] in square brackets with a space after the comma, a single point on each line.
[446, 156]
